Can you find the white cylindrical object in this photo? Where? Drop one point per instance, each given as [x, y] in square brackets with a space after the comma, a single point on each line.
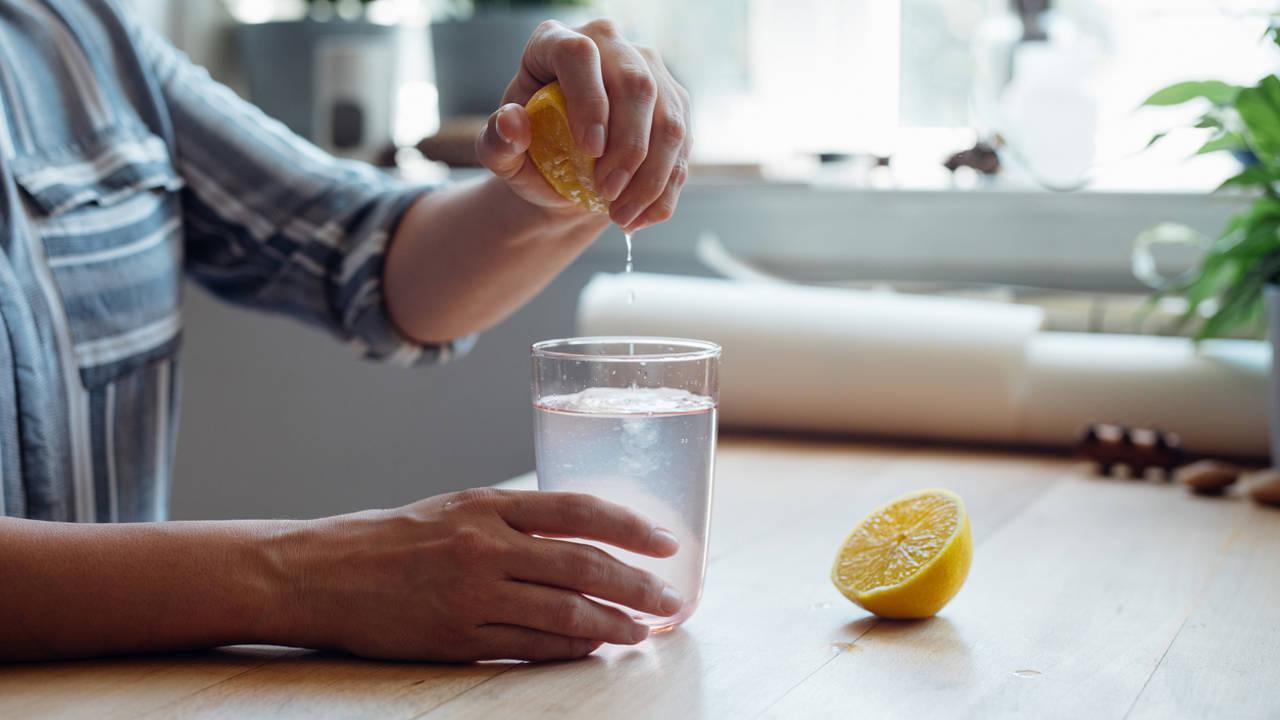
[844, 361]
[808, 358]
[1213, 396]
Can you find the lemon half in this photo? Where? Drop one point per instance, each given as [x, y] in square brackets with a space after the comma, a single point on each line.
[567, 169]
[909, 557]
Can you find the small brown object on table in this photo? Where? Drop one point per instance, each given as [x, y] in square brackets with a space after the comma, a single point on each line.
[1208, 477]
[1139, 449]
[1264, 487]
[1086, 599]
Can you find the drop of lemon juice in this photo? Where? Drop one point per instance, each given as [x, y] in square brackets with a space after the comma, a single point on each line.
[631, 293]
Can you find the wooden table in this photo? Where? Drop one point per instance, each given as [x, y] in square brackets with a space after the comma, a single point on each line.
[1087, 598]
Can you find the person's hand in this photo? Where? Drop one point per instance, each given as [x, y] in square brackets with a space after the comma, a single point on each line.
[462, 577]
[625, 109]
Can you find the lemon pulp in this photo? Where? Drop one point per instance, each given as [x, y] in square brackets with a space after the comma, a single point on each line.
[909, 557]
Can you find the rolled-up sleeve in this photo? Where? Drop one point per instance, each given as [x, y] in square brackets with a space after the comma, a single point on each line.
[273, 222]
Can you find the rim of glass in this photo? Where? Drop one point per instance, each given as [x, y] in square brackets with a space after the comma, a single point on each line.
[696, 349]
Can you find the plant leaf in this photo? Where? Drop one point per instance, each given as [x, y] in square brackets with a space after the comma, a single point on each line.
[1262, 208]
[1260, 239]
[1215, 91]
[1225, 141]
[1259, 108]
[1240, 304]
[1251, 176]
[1240, 293]
[1217, 273]
[1209, 120]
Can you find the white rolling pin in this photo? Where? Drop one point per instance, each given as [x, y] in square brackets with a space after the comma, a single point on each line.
[836, 360]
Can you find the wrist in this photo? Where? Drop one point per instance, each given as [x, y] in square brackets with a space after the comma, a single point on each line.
[278, 558]
[542, 218]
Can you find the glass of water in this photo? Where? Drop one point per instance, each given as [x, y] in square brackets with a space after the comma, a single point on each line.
[632, 420]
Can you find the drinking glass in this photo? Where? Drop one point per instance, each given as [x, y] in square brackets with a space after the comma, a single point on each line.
[632, 420]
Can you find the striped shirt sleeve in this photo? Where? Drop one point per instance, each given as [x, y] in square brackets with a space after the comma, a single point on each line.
[275, 223]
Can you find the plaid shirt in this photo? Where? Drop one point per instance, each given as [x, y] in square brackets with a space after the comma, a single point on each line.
[123, 165]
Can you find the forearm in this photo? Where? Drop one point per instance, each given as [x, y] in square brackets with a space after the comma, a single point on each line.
[69, 590]
[466, 257]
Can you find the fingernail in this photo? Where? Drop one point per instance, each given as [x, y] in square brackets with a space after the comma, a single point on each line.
[671, 601]
[639, 632]
[497, 125]
[627, 214]
[664, 541]
[594, 140]
[615, 184]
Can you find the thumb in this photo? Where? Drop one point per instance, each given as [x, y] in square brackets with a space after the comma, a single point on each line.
[501, 144]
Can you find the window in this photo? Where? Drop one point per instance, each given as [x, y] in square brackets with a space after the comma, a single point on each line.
[905, 77]
[779, 81]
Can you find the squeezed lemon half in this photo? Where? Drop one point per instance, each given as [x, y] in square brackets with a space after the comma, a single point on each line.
[567, 169]
[909, 557]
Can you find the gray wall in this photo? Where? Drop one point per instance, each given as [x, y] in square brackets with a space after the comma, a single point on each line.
[279, 420]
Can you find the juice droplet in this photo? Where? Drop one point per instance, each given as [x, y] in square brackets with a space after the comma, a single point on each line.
[631, 293]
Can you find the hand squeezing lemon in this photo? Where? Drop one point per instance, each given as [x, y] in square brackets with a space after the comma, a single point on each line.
[909, 557]
[591, 126]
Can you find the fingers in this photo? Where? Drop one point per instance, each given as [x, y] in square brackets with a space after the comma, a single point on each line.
[585, 516]
[563, 612]
[633, 93]
[591, 571]
[668, 147]
[665, 206]
[504, 139]
[556, 52]
[511, 642]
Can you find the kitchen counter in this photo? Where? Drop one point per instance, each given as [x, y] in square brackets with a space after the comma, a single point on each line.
[1088, 597]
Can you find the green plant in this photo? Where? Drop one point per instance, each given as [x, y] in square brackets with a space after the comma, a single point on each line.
[1225, 292]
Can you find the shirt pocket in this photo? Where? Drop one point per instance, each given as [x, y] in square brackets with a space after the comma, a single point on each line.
[107, 214]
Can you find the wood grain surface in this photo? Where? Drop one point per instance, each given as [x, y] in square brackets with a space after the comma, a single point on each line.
[1087, 598]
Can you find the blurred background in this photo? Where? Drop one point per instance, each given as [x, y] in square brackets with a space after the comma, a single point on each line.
[958, 147]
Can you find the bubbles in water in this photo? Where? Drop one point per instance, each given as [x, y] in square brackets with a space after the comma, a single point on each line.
[627, 401]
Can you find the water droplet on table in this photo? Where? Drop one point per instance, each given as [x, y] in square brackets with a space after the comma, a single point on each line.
[1027, 673]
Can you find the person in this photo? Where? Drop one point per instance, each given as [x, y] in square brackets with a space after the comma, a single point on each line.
[123, 166]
